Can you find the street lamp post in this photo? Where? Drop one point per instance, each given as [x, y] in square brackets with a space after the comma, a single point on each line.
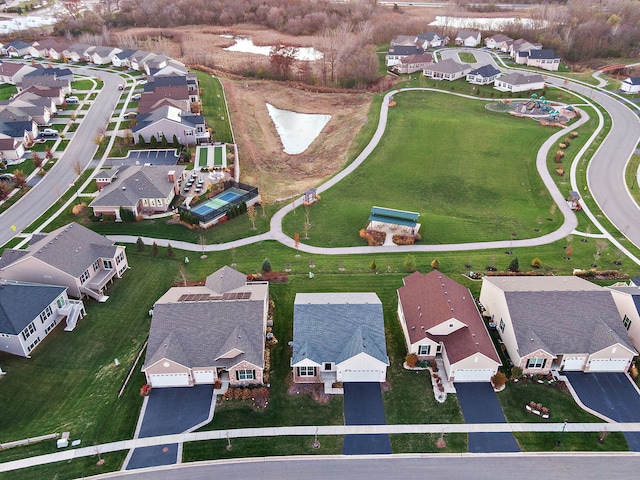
[564, 427]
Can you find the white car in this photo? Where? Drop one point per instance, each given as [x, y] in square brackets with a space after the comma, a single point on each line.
[142, 82]
[137, 96]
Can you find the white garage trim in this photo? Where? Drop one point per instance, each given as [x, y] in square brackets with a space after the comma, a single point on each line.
[363, 376]
[203, 376]
[169, 380]
[473, 375]
[608, 364]
[573, 363]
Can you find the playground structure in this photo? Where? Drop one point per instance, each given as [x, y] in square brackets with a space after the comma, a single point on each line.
[540, 109]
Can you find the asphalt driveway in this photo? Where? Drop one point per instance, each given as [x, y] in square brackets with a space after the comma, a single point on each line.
[363, 406]
[170, 411]
[479, 404]
[611, 394]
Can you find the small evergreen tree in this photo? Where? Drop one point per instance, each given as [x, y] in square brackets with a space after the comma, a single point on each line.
[176, 143]
[141, 140]
[266, 265]
[514, 266]
[154, 249]
[153, 142]
[373, 265]
[410, 263]
[435, 264]
[170, 253]
[140, 246]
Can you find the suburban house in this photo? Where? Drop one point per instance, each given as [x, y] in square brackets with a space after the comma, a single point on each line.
[413, 63]
[172, 67]
[167, 122]
[30, 311]
[56, 94]
[138, 61]
[396, 53]
[431, 40]
[338, 337]
[177, 96]
[78, 52]
[162, 81]
[73, 256]
[403, 40]
[203, 334]
[102, 55]
[519, 82]
[555, 322]
[439, 318]
[141, 189]
[48, 77]
[627, 299]
[498, 42]
[522, 45]
[50, 48]
[122, 58]
[28, 107]
[468, 38]
[483, 75]
[630, 85]
[447, 69]
[17, 48]
[14, 72]
[545, 59]
[24, 130]
[11, 150]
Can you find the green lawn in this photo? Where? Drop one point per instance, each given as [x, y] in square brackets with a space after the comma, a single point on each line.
[203, 157]
[7, 90]
[214, 107]
[632, 179]
[467, 57]
[82, 85]
[481, 183]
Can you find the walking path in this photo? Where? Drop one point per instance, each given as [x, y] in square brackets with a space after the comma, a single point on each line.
[310, 431]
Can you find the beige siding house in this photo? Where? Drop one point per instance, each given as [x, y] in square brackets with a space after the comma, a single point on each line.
[210, 333]
[561, 323]
[447, 69]
[627, 300]
[439, 318]
[73, 256]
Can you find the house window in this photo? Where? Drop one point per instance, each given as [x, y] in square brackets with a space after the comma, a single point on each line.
[159, 202]
[536, 362]
[626, 322]
[307, 371]
[84, 277]
[439, 348]
[328, 366]
[107, 264]
[61, 302]
[120, 258]
[188, 132]
[46, 314]
[245, 374]
[152, 202]
[424, 349]
[502, 325]
[33, 345]
[96, 266]
[28, 331]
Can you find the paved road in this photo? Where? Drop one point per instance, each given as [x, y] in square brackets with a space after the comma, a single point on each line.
[81, 149]
[465, 467]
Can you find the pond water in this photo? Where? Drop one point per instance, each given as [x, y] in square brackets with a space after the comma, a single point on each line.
[245, 45]
[480, 23]
[297, 130]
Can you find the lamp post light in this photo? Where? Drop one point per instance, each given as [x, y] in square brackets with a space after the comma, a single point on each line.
[564, 427]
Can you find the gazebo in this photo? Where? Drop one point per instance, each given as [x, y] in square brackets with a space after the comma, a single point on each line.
[381, 219]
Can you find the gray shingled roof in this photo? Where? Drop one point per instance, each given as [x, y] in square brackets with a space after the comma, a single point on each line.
[21, 303]
[225, 279]
[333, 327]
[447, 66]
[543, 54]
[567, 321]
[135, 182]
[521, 78]
[485, 71]
[196, 333]
[71, 249]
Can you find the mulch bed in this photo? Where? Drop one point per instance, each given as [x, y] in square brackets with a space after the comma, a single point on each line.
[314, 390]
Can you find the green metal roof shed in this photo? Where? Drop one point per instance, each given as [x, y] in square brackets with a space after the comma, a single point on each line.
[391, 216]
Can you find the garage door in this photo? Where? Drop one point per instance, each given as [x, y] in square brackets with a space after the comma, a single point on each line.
[472, 375]
[362, 376]
[608, 365]
[169, 380]
[205, 376]
[573, 363]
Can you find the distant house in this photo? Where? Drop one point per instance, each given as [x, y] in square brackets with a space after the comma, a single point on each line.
[78, 52]
[190, 81]
[21, 128]
[404, 40]
[72, 256]
[177, 96]
[519, 82]
[498, 42]
[630, 85]
[11, 150]
[468, 38]
[56, 94]
[338, 337]
[203, 334]
[483, 75]
[143, 190]
[13, 73]
[522, 46]
[396, 53]
[30, 311]
[122, 58]
[138, 61]
[28, 106]
[413, 63]
[172, 67]
[167, 122]
[565, 323]
[545, 59]
[17, 48]
[439, 318]
[102, 55]
[49, 48]
[447, 69]
[49, 77]
[431, 40]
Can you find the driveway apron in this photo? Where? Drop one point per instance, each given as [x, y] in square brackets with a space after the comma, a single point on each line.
[479, 404]
[611, 394]
[170, 411]
[363, 406]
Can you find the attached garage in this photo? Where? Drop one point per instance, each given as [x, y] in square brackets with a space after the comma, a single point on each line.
[573, 363]
[203, 376]
[473, 375]
[363, 376]
[608, 365]
[158, 380]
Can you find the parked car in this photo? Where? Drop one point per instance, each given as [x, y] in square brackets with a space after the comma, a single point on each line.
[48, 132]
[137, 96]
[120, 87]
[72, 99]
[142, 82]
[129, 115]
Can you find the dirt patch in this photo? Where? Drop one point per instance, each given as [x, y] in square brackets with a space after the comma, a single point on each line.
[314, 390]
[262, 161]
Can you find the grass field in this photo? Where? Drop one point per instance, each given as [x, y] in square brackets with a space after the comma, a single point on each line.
[481, 183]
[7, 90]
[203, 157]
[214, 107]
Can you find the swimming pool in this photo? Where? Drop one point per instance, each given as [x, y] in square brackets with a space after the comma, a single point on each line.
[219, 201]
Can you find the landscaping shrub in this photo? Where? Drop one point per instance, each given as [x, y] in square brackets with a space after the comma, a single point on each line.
[79, 209]
[373, 265]
[170, 252]
[536, 263]
[498, 380]
[154, 249]
[573, 134]
[410, 263]
[127, 215]
[562, 146]
[516, 372]
[514, 265]
[559, 156]
[411, 360]
[373, 237]
[435, 264]
[400, 239]
[140, 246]
[266, 265]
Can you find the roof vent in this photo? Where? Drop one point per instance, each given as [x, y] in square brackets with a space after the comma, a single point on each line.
[422, 327]
[413, 327]
[124, 188]
[452, 309]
